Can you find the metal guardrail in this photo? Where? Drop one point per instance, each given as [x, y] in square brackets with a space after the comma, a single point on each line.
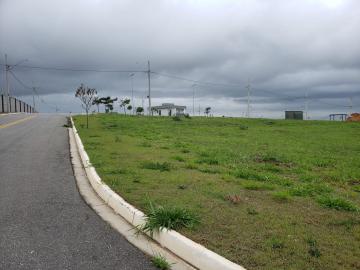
[14, 105]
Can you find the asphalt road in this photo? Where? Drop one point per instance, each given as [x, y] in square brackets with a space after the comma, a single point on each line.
[44, 223]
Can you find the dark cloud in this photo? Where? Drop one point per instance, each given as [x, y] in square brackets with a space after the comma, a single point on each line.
[286, 48]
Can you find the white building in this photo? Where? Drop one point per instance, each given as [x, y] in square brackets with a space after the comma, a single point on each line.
[168, 109]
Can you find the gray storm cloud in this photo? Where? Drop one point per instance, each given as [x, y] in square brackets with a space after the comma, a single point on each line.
[286, 48]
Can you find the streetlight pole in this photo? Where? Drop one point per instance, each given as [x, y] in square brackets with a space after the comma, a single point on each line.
[149, 93]
[7, 68]
[193, 87]
[132, 92]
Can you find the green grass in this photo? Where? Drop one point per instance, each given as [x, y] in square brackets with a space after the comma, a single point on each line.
[160, 262]
[170, 218]
[246, 180]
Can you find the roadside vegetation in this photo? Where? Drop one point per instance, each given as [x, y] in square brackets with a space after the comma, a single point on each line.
[267, 194]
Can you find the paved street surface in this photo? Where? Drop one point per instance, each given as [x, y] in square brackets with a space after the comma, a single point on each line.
[44, 223]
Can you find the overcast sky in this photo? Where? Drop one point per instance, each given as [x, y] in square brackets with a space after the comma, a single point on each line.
[286, 48]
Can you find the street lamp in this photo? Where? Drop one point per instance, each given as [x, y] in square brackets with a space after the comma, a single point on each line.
[132, 91]
[193, 87]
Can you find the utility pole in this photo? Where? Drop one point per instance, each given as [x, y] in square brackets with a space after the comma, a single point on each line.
[248, 99]
[306, 106]
[149, 93]
[350, 105]
[193, 87]
[7, 68]
[132, 92]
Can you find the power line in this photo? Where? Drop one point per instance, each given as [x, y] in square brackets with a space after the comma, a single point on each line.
[79, 70]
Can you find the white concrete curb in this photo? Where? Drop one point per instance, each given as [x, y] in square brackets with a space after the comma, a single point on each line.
[191, 252]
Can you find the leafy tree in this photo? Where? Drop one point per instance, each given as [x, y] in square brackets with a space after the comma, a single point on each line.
[97, 102]
[108, 103]
[124, 103]
[129, 108]
[86, 96]
[139, 110]
[207, 111]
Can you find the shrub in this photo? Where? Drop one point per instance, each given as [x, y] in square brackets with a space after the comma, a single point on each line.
[187, 116]
[170, 218]
[160, 262]
[165, 166]
[336, 203]
[176, 118]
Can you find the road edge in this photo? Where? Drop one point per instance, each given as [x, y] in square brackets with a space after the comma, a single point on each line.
[189, 251]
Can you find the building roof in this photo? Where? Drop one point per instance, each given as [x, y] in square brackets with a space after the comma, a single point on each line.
[168, 106]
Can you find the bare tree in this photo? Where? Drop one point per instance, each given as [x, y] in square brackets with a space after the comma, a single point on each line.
[86, 96]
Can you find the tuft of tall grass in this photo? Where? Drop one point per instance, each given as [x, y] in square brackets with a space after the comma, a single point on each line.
[337, 203]
[164, 166]
[160, 262]
[170, 218]
[281, 196]
[309, 190]
[258, 186]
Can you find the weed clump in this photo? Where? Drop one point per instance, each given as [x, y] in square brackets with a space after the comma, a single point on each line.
[243, 127]
[170, 218]
[276, 243]
[336, 203]
[313, 248]
[309, 190]
[160, 262]
[252, 211]
[281, 196]
[208, 160]
[117, 139]
[164, 166]
[179, 158]
[176, 118]
[258, 186]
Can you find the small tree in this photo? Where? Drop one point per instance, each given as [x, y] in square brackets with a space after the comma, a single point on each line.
[129, 108]
[97, 102]
[124, 103]
[139, 110]
[207, 111]
[108, 103]
[86, 96]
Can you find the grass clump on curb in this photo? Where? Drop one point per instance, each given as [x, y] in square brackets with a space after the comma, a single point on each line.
[160, 262]
[337, 203]
[170, 218]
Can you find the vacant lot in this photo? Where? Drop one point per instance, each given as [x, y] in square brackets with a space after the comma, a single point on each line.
[270, 194]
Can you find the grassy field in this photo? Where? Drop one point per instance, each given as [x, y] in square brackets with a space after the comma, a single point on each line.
[269, 194]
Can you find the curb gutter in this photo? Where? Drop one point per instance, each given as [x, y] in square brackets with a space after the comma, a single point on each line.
[189, 251]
